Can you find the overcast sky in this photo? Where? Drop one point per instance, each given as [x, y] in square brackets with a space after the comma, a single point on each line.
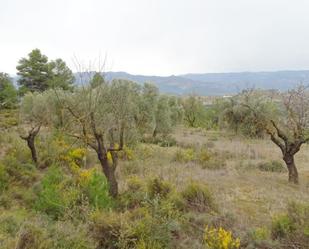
[159, 37]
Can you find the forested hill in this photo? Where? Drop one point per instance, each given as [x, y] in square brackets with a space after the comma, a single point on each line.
[219, 83]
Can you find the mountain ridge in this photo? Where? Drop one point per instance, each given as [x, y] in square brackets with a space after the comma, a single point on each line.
[213, 84]
[218, 83]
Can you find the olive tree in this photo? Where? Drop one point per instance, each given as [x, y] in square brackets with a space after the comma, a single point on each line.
[35, 112]
[176, 110]
[102, 117]
[193, 111]
[147, 105]
[285, 119]
[163, 121]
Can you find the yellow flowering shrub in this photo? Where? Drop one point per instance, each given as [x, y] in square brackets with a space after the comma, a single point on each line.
[77, 154]
[220, 239]
[74, 159]
[84, 176]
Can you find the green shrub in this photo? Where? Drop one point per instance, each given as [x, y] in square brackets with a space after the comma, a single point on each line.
[59, 193]
[139, 192]
[197, 197]
[96, 190]
[292, 228]
[17, 166]
[55, 195]
[18, 150]
[260, 238]
[272, 166]
[282, 226]
[129, 230]
[157, 224]
[261, 234]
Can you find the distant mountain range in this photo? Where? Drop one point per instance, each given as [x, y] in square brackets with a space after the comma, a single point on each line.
[210, 84]
[215, 84]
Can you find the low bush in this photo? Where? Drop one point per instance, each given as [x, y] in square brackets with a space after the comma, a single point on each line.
[19, 171]
[73, 158]
[42, 234]
[134, 195]
[55, 194]
[94, 186]
[158, 188]
[272, 166]
[139, 192]
[185, 155]
[197, 197]
[260, 238]
[151, 226]
[111, 230]
[282, 226]
[292, 228]
[59, 193]
[159, 222]
[203, 156]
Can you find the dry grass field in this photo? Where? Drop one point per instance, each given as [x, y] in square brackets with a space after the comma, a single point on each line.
[246, 198]
[240, 188]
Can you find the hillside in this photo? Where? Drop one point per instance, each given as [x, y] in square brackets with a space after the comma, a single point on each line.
[219, 83]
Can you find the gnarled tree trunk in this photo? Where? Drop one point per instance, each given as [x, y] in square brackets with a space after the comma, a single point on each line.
[109, 172]
[30, 139]
[293, 174]
[31, 145]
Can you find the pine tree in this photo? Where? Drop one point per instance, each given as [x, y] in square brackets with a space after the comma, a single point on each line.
[61, 76]
[34, 72]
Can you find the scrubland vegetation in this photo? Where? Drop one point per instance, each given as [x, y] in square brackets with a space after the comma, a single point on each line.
[120, 165]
